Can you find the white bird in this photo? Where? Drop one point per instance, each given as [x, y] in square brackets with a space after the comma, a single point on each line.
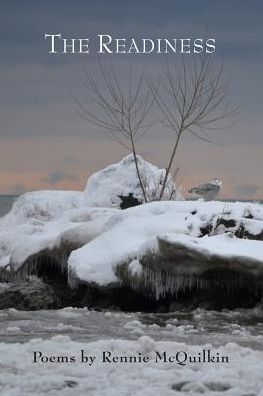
[207, 190]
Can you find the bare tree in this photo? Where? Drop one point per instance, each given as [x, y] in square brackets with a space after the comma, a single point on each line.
[122, 110]
[192, 100]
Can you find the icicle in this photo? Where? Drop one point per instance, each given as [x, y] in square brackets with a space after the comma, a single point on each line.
[158, 284]
[52, 258]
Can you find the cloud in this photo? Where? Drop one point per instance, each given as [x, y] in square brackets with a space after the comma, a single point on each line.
[246, 190]
[58, 176]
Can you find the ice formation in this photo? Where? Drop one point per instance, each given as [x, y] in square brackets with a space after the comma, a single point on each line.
[46, 224]
[196, 225]
[19, 376]
[106, 187]
[174, 263]
[160, 247]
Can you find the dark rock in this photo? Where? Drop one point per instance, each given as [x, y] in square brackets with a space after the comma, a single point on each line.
[206, 230]
[31, 294]
[227, 223]
[128, 201]
[115, 297]
[181, 277]
[242, 233]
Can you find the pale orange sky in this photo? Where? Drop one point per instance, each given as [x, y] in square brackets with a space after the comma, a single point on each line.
[29, 164]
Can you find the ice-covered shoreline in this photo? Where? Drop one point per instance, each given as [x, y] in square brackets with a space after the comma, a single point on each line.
[158, 248]
[96, 233]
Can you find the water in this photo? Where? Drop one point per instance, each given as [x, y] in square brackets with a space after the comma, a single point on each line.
[244, 327]
[6, 202]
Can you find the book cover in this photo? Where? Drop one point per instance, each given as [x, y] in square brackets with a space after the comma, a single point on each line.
[131, 217]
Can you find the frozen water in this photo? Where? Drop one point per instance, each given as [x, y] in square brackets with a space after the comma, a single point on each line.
[238, 335]
[243, 326]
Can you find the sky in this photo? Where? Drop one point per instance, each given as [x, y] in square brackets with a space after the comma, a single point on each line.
[45, 144]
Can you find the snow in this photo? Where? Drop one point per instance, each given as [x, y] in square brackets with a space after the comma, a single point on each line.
[226, 246]
[96, 261]
[102, 238]
[44, 205]
[138, 228]
[44, 220]
[66, 332]
[223, 245]
[20, 376]
[105, 187]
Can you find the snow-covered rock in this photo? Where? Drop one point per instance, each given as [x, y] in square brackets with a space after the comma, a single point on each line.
[54, 222]
[47, 221]
[118, 185]
[161, 247]
[195, 226]
[173, 263]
